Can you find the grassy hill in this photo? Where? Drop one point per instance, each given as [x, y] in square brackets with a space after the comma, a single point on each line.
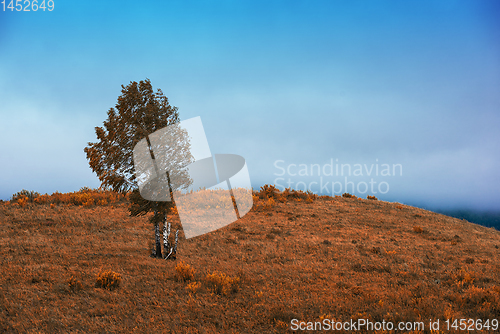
[294, 256]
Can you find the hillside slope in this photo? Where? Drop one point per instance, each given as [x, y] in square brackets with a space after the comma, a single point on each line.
[332, 258]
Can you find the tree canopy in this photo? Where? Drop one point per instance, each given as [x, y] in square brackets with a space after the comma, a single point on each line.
[139, 112]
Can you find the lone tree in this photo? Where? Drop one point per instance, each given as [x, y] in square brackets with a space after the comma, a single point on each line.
[138, 113]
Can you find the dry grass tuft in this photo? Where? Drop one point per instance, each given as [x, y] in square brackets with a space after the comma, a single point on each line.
[184, 271]
[74, 284]
[108, 280]
[418, 229]
[269, 196]
[22, 201]
[193, 287]
[222, 284]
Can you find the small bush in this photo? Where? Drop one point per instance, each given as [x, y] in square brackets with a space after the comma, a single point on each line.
[347, 195]
[84, 197]
[269, 191]
[462, 278]
[307, 196]
[22, 201]
[193, 287]
[372, 198]
[221, 283]
[25, 194]
[270, 203]
[418, 229]
[108, 280]
[269, 195]
[74, 284]
[184, 271]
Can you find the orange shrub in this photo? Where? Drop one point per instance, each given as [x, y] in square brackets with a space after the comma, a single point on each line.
[22, 201]
[43, 199]
[269, 195]
[221, 283]
[28, 196]
[184, 271]
[74, 284]
[193, 287]
[84, 197]
[108, 280]
[418, 229]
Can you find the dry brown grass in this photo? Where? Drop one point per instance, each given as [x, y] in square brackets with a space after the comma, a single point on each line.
[290, 258]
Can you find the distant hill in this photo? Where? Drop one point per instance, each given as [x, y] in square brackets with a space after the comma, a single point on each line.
[483, 218]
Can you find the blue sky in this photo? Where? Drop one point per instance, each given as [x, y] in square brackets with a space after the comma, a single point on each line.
[414, 83]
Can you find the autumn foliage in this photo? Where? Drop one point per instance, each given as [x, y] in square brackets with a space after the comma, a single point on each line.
[108, 280]
[83, 197]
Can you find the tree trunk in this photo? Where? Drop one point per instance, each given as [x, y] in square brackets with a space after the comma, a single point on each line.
[174, 255]
[169, 251]
[166, 234]
[157, 235]
[157, 240]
